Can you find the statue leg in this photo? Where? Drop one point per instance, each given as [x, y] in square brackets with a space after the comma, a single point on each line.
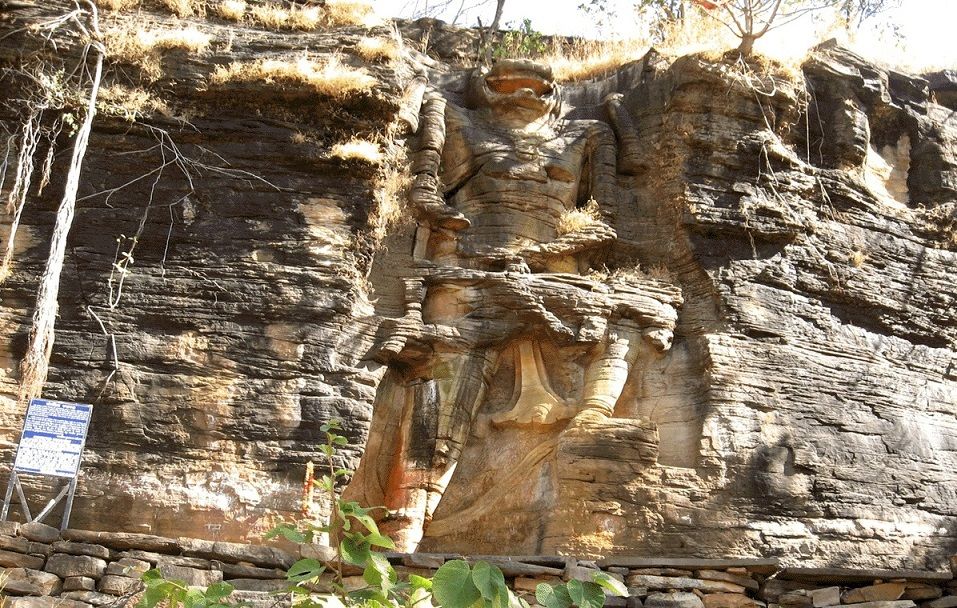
[606, 376]
[536, 402]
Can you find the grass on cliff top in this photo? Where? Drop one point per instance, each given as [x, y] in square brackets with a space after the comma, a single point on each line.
[144, 47]
[328, 77]
[333, 13]
[378, 49]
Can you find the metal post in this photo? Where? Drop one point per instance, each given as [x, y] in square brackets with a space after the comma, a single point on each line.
[8, 495]
[53, 502]
[23, 501]
[68, 507]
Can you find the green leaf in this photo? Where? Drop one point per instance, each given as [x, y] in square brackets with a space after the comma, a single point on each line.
[355, 553]
[552, 597]
[420, 582]
[218, 591]
[287, 531]
[610, 584]
[340, 440]
[452, 585]
[304, 570]
[491, 584]
[586, 595]
[379, 572]
[379, 540]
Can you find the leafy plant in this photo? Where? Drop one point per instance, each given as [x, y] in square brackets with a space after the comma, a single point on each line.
[526, 41]
[583, 594]
[177, 593]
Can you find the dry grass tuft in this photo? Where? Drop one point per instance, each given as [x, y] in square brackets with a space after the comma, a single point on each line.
[276, 17]
[116, 5]
[585, 59]
[129, 103]
[358, 149]
[144, 48]
[185, 8]
[330, 77]
[378, 49]
[232, 10]
[574, 220]
[349, 12]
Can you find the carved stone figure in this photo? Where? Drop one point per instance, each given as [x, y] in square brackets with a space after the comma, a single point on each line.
[497, 274]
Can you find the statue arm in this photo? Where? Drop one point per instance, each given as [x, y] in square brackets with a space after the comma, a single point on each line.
[426, 196]
[629, 153]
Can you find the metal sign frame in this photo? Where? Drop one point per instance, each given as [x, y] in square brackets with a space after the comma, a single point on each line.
[69, 489]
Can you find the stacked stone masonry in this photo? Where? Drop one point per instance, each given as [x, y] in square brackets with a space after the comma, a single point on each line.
[44, 568]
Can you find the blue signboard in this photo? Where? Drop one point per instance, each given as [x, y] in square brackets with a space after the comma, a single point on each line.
[54, 434]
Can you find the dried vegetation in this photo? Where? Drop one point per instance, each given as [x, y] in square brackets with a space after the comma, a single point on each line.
[329, 77]
[358, 149]
[145, 47]
[577, 219]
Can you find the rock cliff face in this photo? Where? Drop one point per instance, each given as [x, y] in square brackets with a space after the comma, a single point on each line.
[744, 346]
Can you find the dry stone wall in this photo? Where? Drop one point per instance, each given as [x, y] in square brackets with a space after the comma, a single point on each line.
[44, 568]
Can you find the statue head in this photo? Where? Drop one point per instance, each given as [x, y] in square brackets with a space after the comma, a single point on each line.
[515, 88]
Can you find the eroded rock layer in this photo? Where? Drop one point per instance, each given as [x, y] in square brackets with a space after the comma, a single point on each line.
[696, 308]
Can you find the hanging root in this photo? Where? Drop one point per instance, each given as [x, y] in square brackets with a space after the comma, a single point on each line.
[37, 359]
[29, 139]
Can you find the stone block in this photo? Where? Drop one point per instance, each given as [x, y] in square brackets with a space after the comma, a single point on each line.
[529, 584]
[258, 555]
[890, 604]
[39, 532]
[128, 567]
[9, 528]
[949, 601]
[244, 571]
[579, 573]
[727, 600]
[75, 548]
[22, 545]
[661, 571]
[673, 599]
[113, 584]
[796, 599]
[255, 584]
[423, 560]
[323, 553]
[26, 581]
[12, 559]
[44, 602]
[921, 591]
[633, 602]
[64, 565]
[155, 558]
[79, 583]
[124, 540]
[90, 597]
[682, 583]
[883, 592]
[953, 564]
[194, 577]
[828, 596]
[257, 599]
[716, 575]
[772, 589]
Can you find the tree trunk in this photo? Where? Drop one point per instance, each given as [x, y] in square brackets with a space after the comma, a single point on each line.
[491, 31]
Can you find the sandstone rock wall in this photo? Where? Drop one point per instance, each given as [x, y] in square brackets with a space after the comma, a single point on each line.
[799, 224]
